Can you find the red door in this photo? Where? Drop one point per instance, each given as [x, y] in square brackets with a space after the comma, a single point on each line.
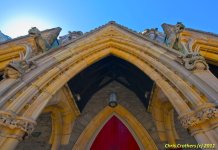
[114, 136]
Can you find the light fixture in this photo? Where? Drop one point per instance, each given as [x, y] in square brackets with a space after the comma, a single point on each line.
[146, 94]
[78, 98]
[113, 99]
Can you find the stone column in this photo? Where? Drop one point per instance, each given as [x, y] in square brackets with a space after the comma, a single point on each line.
[13, 129]
[199, 135]
[202, 124]
[10, 138]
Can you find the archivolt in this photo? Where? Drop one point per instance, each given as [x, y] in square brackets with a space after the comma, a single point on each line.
[72, 60]
[76, 68]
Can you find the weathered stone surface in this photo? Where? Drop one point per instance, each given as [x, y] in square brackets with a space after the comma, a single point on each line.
[156, 60]
[39, 141]
[184, 136]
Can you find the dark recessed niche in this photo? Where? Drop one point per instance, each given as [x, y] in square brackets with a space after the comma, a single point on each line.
[103, 72]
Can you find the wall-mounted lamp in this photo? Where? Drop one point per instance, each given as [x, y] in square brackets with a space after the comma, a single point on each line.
[78, 98]
[146, 94]
[113, 99]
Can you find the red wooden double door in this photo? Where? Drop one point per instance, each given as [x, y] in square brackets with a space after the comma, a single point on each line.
[114, 136]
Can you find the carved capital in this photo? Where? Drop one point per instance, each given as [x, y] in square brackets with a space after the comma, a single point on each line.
[198, 117]
[207, 113]
[12, 121]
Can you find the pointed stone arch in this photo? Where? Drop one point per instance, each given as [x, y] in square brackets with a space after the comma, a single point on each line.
[190, 92]
[140, 134]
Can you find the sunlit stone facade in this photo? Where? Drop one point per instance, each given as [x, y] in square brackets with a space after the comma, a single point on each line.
[55, 91]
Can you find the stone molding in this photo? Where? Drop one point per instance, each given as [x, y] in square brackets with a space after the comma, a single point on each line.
[12, 121]
[20, 138]
[197, 117]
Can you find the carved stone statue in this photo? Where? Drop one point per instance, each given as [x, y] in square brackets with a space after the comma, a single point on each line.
[151, 33]
[44, 42]
[16, 68]
[173, 37]
[70, 36]
[40, 41]
[154, 34]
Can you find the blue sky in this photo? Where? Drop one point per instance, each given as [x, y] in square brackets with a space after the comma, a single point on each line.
[17, 16]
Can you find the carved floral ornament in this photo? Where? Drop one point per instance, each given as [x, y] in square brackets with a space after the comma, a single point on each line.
[193, 61]
[200, 116]
[7, 119]
[17, 68]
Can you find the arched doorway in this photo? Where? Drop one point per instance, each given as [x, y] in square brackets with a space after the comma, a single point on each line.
[190, 93]
[114, 135]
[95, 126]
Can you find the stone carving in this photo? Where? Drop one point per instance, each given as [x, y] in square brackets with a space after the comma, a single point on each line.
[11, 73]
[199, 117]
[188, 121]
[74, 34]
[172, 38]
[17, 68]
[194, 61]
[154, 34]
[70, 36]
[12, 121]
[42, 44]
[207, 113]
[151, 33]
[190, 43]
